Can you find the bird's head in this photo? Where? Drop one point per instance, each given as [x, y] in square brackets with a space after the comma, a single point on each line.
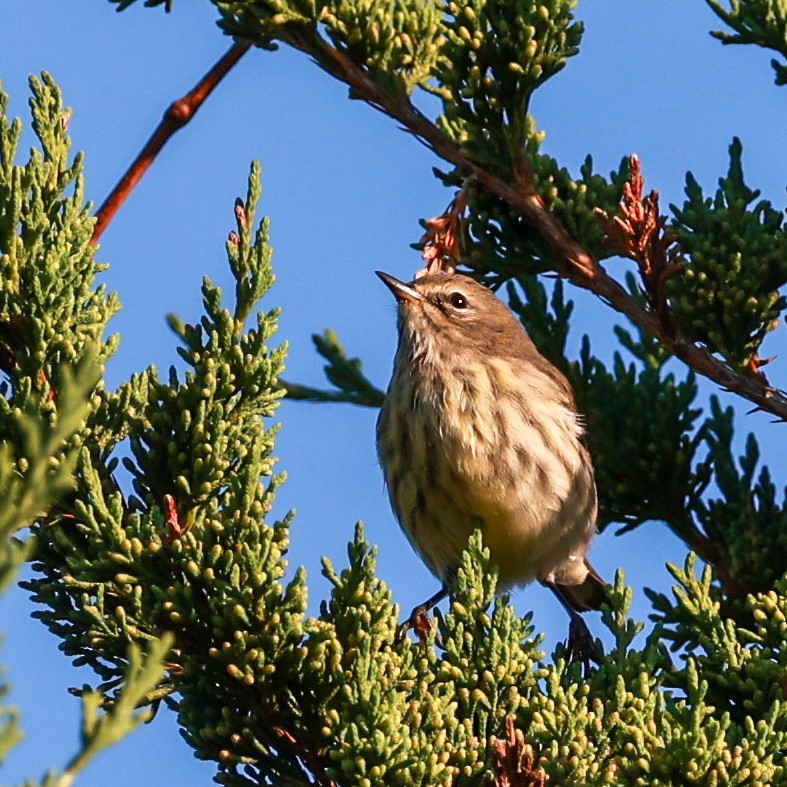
[457, 313]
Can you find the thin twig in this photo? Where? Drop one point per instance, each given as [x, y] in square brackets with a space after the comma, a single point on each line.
[684, 528]
[577, 265]
[305, 756]
[177, 115]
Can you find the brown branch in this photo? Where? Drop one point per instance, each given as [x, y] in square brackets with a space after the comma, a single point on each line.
[177, 115]
[685, 529]
[577, 265]
[699, 543]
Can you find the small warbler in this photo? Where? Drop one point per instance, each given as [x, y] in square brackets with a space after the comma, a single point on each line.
[479, 430]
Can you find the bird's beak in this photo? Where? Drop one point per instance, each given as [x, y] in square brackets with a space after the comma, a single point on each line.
[402, 292]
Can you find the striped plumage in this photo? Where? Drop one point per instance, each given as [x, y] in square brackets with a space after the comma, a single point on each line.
[479, 430]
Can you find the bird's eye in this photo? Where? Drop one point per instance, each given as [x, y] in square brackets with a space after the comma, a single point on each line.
[457, 300]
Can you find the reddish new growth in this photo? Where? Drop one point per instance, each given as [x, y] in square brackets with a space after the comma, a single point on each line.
[43, 380]
[515, 760]
[756, 363]
[172, 518]
[240, 213]
[442, 241]
[639, 233]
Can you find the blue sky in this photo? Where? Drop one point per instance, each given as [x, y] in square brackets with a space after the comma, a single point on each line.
[344, 188]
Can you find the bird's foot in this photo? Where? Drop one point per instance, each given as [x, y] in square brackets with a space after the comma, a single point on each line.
[418, 622]
[580, 646]
[419, 618]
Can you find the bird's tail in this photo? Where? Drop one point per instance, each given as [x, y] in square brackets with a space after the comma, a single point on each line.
[588, 594]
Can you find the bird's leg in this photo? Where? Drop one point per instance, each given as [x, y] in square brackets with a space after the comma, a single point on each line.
[580, 644]
[419, 617]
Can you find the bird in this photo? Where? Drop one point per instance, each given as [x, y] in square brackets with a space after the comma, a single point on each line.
[479, 430]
